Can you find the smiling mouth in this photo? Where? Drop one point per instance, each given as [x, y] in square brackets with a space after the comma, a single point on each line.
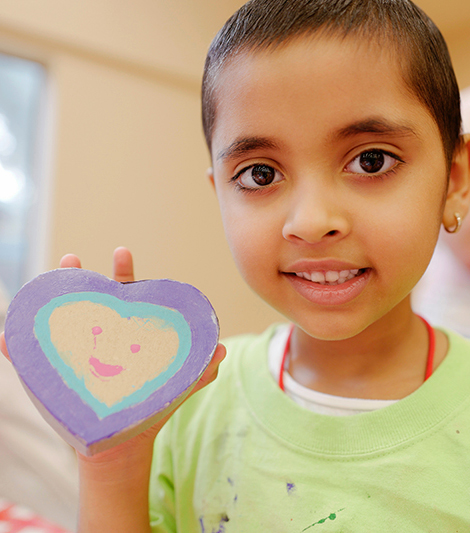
[330, 277]
[104, 370]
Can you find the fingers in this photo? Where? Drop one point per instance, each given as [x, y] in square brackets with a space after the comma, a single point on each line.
[123, 265]
[123, 269]
[3, 346]
[70, 261]
[212, 370]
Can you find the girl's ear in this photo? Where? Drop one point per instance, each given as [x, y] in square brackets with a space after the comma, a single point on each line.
[458, 192]
[210, 175]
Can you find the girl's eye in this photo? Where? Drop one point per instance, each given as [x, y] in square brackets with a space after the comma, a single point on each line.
[373, 162]
[257, 176]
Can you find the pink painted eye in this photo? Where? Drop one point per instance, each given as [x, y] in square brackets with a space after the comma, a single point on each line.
[96, 330]
[135, 348]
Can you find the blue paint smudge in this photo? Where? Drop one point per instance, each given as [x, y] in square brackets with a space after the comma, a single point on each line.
[223, 519]
[221, 529]
[290, 488]
[230, 480]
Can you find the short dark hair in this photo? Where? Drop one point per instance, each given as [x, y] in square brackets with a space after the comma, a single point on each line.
[420, 47]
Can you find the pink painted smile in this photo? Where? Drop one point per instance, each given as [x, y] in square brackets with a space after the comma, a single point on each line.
[102, 369]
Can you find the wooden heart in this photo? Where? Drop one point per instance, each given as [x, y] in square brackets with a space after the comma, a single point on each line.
[104, 360]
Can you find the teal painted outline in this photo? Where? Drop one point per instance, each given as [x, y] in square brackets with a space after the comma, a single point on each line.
[171, 317]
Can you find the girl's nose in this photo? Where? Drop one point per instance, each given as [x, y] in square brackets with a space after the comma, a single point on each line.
[316, 215]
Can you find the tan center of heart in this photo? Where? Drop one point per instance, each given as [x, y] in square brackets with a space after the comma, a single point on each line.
[114, 356]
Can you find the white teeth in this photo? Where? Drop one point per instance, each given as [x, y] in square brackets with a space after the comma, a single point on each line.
[329, 277]
[317, 277]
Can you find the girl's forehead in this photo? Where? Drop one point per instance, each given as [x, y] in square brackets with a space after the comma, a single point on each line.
[318, 86]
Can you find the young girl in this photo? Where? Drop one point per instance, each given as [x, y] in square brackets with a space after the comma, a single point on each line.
[334, 131]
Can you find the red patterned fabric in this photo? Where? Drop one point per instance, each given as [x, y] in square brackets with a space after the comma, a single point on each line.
[16, 518]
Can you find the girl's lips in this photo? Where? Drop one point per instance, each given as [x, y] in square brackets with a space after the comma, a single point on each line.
[339, 294]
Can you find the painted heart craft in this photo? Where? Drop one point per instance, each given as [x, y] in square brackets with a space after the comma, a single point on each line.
[104, 360]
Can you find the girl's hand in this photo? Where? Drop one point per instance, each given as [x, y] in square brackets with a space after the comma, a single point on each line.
[114, 483]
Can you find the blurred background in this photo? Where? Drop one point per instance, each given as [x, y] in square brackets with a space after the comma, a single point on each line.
[101, 146]
[101, 143]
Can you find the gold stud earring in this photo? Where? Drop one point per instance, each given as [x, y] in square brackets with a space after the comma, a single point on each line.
[458, 224]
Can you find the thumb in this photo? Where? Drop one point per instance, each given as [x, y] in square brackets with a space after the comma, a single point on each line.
[212, 370]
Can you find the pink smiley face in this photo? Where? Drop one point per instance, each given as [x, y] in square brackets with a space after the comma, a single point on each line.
[113, 355]
[103, 370]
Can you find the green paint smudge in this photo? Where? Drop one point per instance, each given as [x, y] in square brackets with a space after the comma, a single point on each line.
[332, 516]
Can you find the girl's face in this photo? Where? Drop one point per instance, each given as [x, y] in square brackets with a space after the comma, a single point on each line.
[331, 179]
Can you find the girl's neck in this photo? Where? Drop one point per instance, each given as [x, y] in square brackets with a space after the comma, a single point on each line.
[385, 361]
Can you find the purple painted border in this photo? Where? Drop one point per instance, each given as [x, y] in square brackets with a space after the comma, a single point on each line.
[64, 404]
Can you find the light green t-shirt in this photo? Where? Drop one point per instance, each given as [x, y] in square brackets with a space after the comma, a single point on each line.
[240, 456]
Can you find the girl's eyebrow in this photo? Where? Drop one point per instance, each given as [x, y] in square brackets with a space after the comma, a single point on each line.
[379, 126]
[245, 145]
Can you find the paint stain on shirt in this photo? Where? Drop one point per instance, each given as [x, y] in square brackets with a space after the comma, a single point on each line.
[332, 516]
[220, 528]
[290, 488]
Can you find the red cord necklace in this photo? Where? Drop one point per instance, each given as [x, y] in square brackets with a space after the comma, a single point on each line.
[429, 364]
